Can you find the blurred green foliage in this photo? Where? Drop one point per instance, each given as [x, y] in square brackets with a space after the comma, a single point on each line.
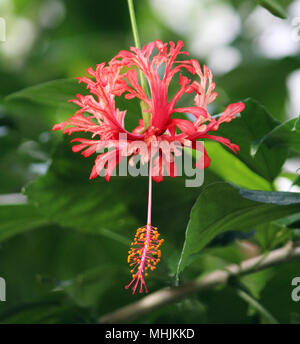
[63, 253]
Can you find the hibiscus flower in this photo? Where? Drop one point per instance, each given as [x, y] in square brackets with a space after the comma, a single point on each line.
[158, 128]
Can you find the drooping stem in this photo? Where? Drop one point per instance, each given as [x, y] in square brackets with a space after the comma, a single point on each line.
[145, 252]
[149, 194]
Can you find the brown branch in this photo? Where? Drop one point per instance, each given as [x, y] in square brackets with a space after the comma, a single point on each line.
[166, 296]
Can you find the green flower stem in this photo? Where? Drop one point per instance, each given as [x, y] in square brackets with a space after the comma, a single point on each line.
[135, 35]
[146, 115]
[133, 24]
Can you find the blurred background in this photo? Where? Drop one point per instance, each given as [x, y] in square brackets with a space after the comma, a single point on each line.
[251, 52]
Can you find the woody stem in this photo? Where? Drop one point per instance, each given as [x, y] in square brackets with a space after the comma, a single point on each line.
[166, 296]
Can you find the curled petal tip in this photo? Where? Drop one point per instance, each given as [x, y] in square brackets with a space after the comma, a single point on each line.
[59, 126]
[93, 174]
[242, 106]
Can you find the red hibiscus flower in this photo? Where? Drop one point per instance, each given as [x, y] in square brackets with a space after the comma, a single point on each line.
[98, 115]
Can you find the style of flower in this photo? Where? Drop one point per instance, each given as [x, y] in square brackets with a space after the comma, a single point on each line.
[98, 115]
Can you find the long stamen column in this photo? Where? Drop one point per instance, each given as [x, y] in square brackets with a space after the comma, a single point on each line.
[144, 253]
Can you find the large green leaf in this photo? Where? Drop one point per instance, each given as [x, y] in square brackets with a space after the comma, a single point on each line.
[16, 219]
[270, 235]
[221, 207]
[54, 308]
[273, 197]
[88, 288]
[297, 181]
[253, 124]
[286, 134]
[55, 93]
[40, 263]
[230, 168]
[277, 297]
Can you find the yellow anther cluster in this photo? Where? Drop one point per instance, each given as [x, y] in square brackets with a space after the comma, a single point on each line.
[144, 253]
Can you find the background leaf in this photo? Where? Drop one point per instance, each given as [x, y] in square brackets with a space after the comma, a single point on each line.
[286, 134]
[55, 93]
[16, 219]
[274, 6]
[255, 122]
[212, 215]
[63, 254]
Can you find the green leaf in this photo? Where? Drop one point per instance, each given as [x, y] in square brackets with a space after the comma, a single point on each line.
[88, 288]
[277, 297]
[274, 6]
[61, 260]
[232, 169]
[16, 219]
[273, 197]
[221, 207]
[286, 134]
[224, 307]
[55, 93]
[212, 258]
[54, 308]
[66, 196]
[270, 235]
[188, 311]
[255, 307]
[256, 282]
[297, 181]
[253, 124]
